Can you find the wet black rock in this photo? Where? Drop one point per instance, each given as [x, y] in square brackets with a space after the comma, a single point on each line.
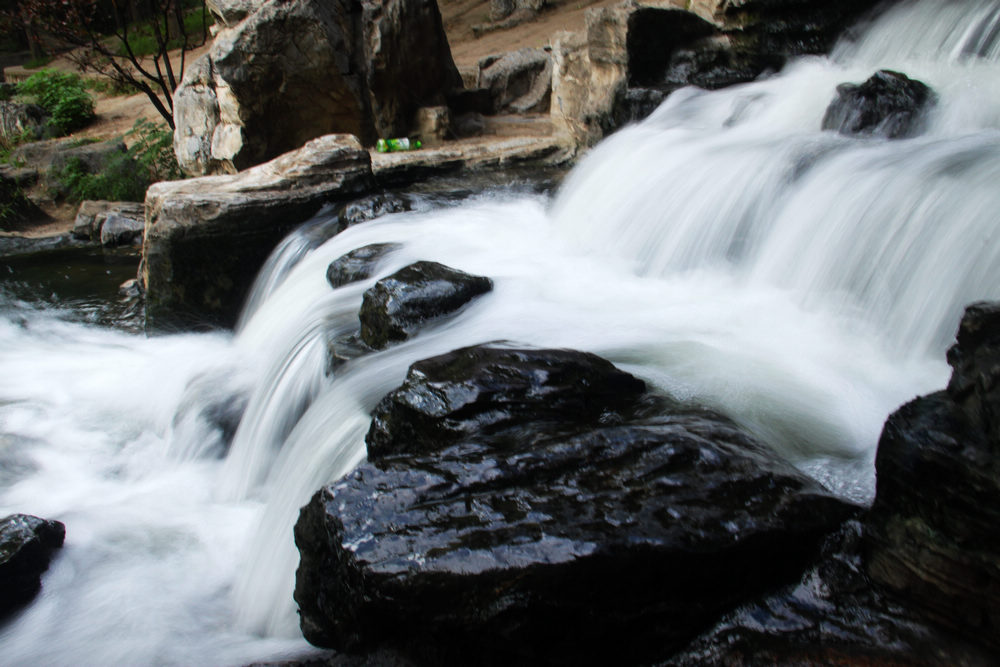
[550, 513]
[888, 104]
[398, 305]
[831, 616]
[26, 547]
[359, 264]
[371, 207]
[501, 394]
[932, 527]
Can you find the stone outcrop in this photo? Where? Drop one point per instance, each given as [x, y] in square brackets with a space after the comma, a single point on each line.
[519, 81]
[16, 209]
[399, 305]
[889, 104]
[633, 55]
[17, 119]
[206, 238]
[358, 68]
[91, 217]
[831, 616]
[528, 506]
[27, 544]
[932, 527]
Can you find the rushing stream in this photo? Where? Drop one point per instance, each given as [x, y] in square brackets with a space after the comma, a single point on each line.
[726, 250]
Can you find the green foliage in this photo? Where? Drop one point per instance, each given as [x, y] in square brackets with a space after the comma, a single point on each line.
[8, 144]
[142, 41]
[126, 176]
[111, 87]
[64, 95]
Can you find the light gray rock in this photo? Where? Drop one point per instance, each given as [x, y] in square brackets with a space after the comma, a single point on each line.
[519, 81]
[119, 230]
[206, 238]
[230, 12]
[358, 69]
[16, 119]
[92, 214]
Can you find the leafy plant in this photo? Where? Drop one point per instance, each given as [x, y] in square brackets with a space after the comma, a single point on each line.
[64, 95]
[125, 176]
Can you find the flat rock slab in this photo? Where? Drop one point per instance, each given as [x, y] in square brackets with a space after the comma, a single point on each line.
[607, 537]
[206, 238]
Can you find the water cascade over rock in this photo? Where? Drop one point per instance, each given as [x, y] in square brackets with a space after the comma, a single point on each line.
[737, 259]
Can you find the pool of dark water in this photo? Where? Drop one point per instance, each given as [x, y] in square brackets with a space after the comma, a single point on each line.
[83, 283]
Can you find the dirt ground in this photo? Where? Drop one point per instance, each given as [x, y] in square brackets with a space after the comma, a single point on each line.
[117, 114]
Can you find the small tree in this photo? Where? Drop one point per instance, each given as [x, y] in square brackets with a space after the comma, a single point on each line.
[104, 35]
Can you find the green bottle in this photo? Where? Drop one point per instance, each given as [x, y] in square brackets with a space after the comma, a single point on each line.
[394, 145]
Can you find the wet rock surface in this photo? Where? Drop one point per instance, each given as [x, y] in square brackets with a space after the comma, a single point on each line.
[932, 528]
[398, 305]
[538, 507]
[889, 104]
[27, 544]
[832, 615]
[359, 264]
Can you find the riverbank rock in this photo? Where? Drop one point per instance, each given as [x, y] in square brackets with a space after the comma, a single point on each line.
[27, 544]
[206, 238]
[889, 104]
[932, 527]
[397, 306]
[16, 209]
[362, 68]
[527, 506]
[92, 214]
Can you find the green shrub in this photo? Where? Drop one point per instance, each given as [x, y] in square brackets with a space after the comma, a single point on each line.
[126, 176]
[64, 95]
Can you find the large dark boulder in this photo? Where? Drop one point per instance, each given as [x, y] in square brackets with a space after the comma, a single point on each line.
[26, 547]
[831, 616]
[888, 104]
[932, 528]
[398, 305]
[538, 507]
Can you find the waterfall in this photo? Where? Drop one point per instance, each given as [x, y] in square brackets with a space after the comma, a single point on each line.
[725, 250]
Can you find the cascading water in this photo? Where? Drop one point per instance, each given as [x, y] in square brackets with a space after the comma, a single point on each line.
[725, 250]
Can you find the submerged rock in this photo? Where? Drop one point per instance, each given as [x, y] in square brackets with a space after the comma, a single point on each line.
[537, 507]
[399, 304]
[26, 547]
[889, 105]
[932, 528]
[371, 207]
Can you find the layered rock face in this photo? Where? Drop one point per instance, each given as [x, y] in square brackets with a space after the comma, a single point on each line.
[526, 506]
[933, 527]
[206, 238]
[286, 71]
[635, 54]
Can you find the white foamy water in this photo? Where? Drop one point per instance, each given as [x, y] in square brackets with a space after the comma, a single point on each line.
[725, 250]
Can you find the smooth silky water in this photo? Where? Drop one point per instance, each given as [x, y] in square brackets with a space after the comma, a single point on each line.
[725, 250]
